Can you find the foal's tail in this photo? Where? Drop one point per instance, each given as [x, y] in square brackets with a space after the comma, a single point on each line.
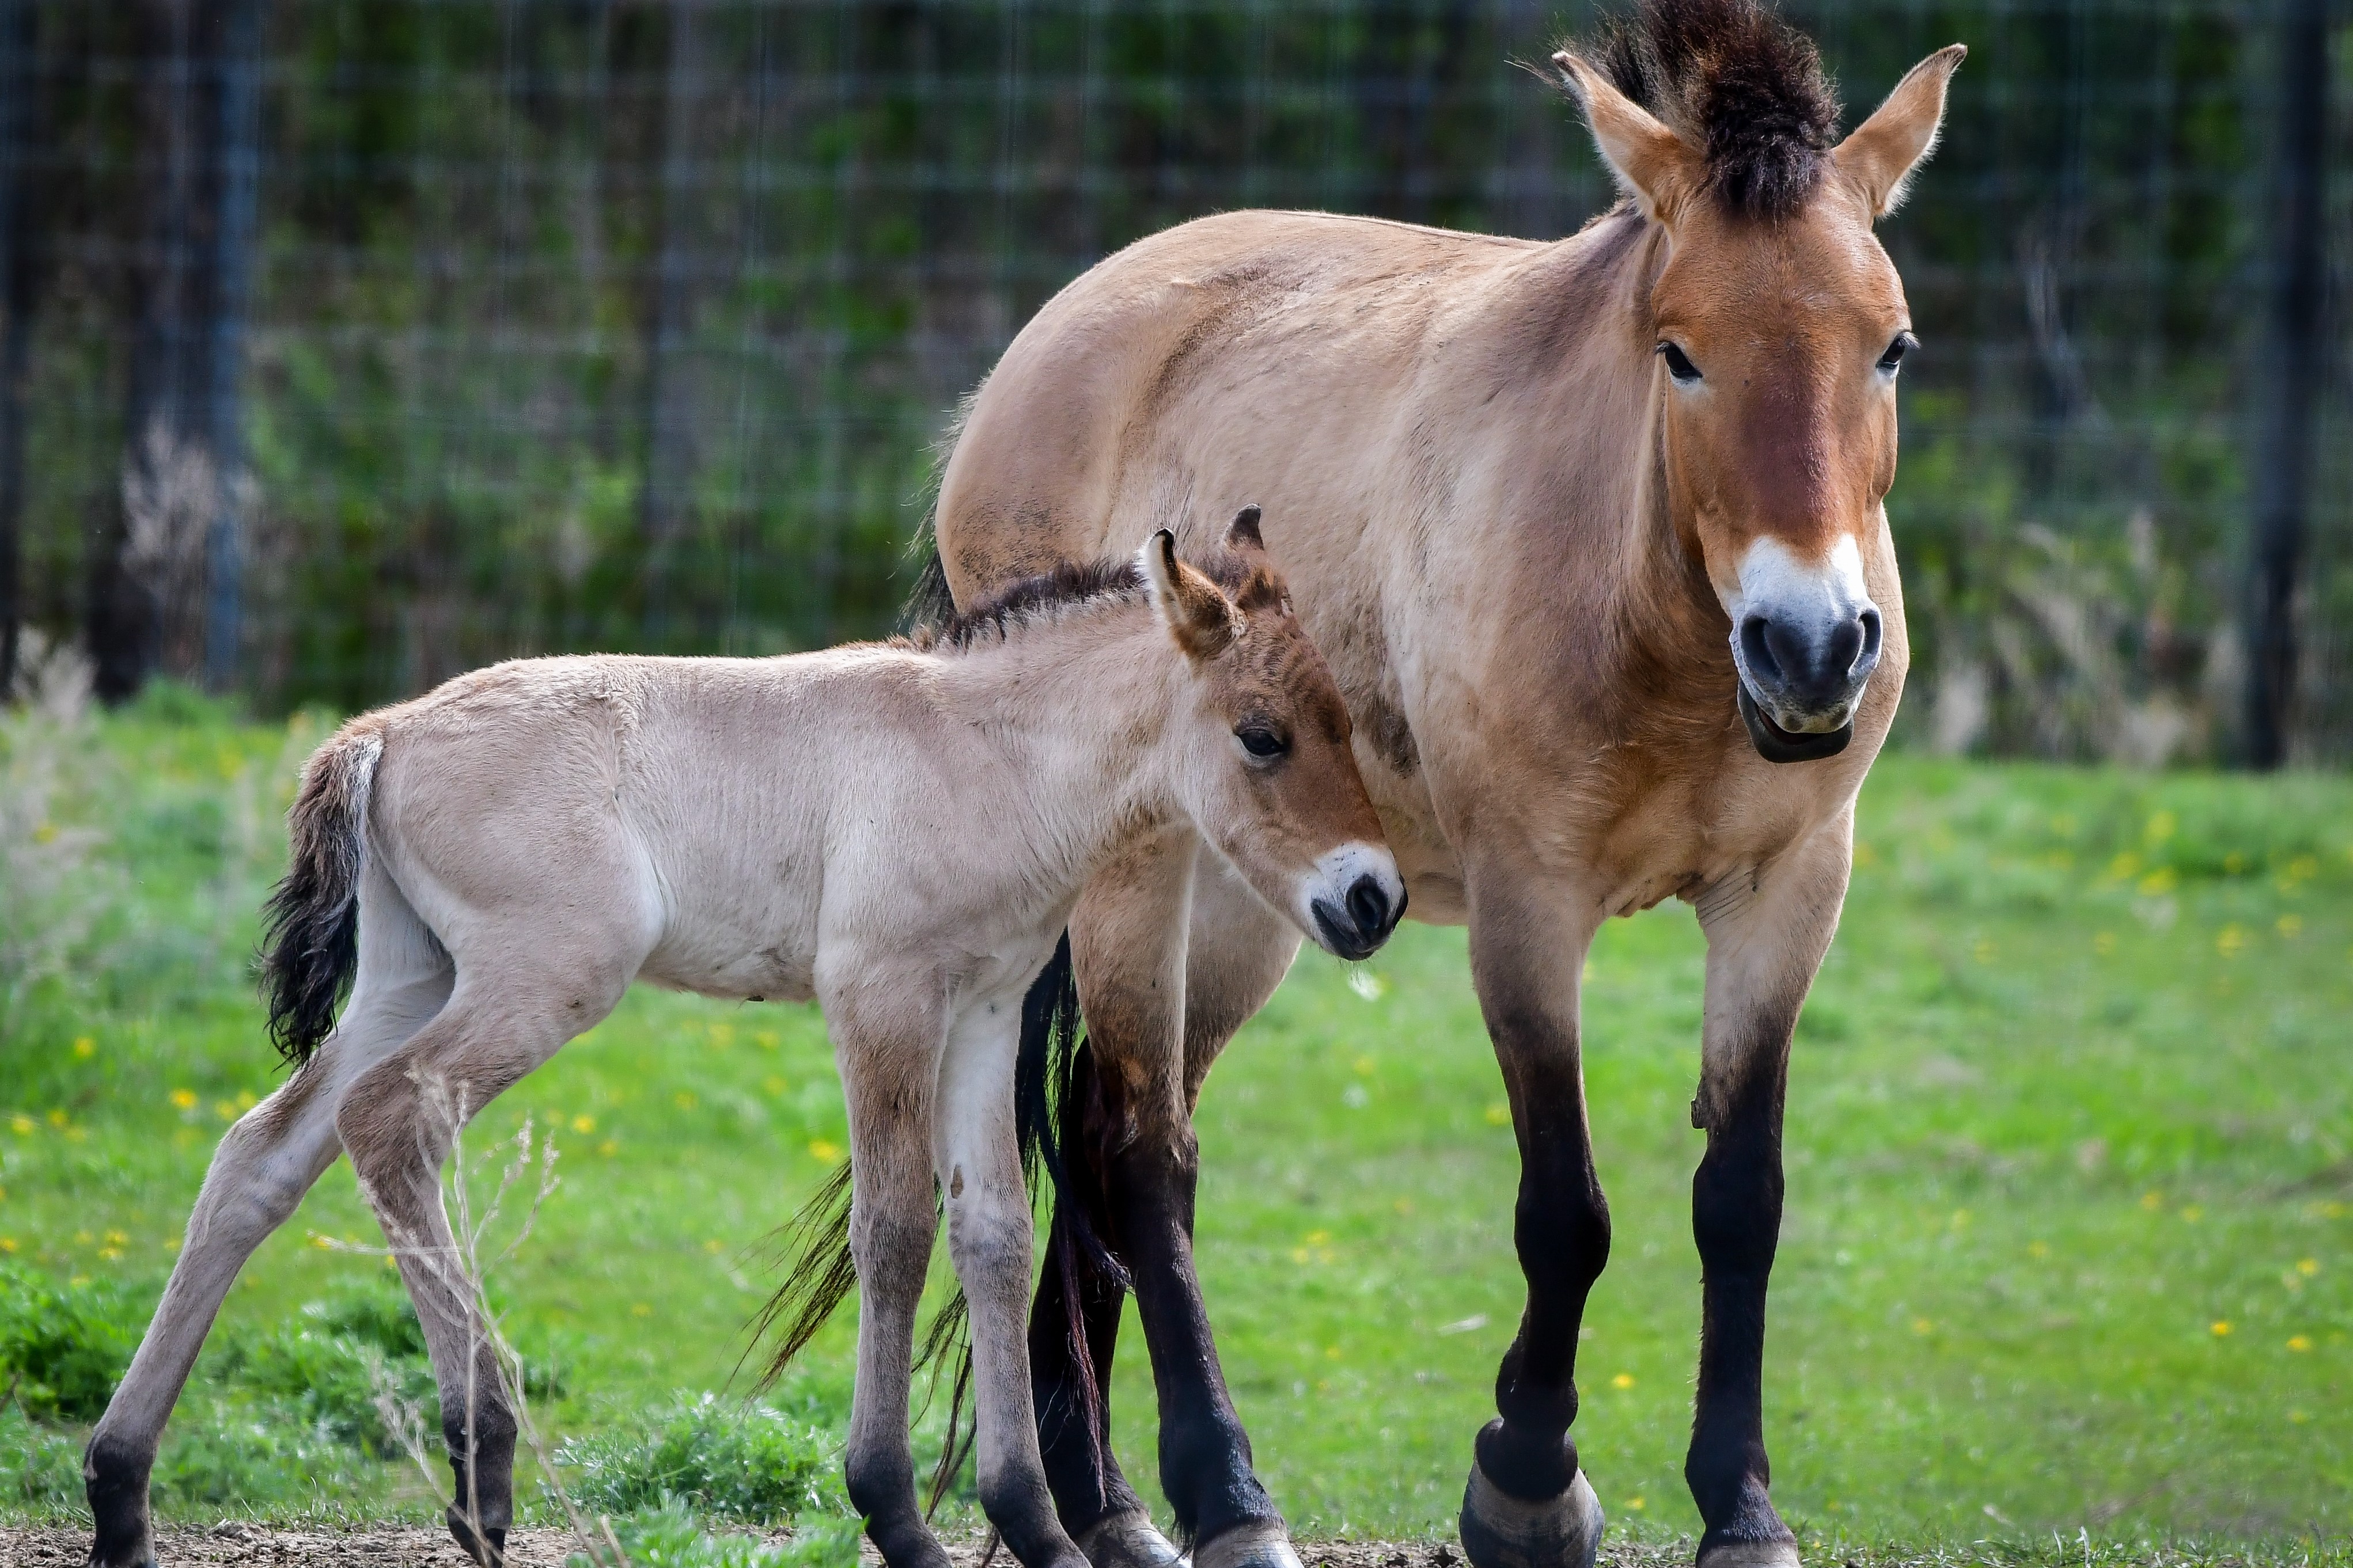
[310, 940]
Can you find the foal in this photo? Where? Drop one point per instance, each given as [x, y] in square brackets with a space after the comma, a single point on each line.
[899, 830]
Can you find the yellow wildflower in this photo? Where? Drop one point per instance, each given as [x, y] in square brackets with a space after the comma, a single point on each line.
[85, 1048]
[2219, 1329]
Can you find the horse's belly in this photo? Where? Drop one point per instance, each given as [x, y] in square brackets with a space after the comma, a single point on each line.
[758, 952]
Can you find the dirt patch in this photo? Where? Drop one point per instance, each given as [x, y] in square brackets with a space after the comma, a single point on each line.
[389, 1546]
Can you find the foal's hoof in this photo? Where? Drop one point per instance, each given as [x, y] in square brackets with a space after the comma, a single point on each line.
[1128, 1541]
[116, 1482]
[1749, 1554]
[1500, 1531]
[489, 1549]
[1260, 1543]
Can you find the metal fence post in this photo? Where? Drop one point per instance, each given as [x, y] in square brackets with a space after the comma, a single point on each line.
[2288, 377]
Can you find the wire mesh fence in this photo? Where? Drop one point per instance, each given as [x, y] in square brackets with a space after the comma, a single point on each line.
[383, 338]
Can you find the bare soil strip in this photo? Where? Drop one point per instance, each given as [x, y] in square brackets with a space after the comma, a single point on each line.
[238, 1545]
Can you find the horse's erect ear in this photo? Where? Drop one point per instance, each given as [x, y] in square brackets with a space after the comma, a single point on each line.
[1195, 610]
[1650, 162]
[1885, 150]
[1242, 533]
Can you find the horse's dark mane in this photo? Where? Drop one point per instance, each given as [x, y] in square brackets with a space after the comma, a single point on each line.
[1069, 585]
[1740, 84]
[1074, 586]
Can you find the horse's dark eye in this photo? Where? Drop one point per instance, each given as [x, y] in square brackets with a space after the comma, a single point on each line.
[1260, 741]
[1894, 358]
[1679, 364]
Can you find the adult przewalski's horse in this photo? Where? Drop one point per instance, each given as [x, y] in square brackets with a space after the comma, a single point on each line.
[1591, 533]
[900, 831]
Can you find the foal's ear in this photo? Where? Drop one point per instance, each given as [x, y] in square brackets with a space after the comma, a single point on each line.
[1195, 610]
[1885, 150]
[1242, 533]
[1650, 161]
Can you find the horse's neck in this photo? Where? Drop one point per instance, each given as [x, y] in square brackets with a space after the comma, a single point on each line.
[1079, 710]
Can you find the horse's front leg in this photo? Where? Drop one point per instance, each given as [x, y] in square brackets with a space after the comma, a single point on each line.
[1172, 954]
[1528, 1505]
[1766, 933]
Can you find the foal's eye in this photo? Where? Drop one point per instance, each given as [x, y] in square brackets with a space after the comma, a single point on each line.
[1262, 741]
[1679, 364]
[1893, 359]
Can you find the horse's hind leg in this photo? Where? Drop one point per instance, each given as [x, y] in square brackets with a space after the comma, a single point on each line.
[400, 1121]
[1160, 1005]
[264, 1165]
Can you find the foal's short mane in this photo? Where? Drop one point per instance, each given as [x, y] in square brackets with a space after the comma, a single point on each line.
[1740, 84]
[1074, 588]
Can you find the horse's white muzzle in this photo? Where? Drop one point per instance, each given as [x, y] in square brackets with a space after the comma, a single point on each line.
[1805, 637]
[1353, 899]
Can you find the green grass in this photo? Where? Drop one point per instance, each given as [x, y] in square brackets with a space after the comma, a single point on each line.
[2070, 1156]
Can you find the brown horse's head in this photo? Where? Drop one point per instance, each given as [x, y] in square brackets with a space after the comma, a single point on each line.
[1779, 326]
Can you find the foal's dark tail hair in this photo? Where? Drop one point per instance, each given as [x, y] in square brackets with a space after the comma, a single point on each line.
[310, 934]
[1046, 1120]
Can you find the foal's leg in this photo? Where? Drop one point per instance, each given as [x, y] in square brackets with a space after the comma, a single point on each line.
[1160, 1005]
[1528, 1504]
[887, 1047]
[978, 1162]
[499, 1024]
[263, 1165]
[1765, 938]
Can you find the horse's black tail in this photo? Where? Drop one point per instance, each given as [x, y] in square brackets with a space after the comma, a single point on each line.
[819, 1278]
[1047, 1075]
[310, 941]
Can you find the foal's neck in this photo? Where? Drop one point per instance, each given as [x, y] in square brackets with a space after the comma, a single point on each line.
[1081, 709]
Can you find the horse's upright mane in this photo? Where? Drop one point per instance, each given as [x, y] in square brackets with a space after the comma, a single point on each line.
[1737, 83]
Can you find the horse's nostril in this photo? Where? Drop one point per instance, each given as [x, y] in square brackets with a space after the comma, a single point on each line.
[1843, 650]
[1368, 906]
[1756, 646]
[1872, 633]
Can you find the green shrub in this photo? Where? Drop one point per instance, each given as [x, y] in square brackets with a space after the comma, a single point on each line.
[733, 1461]
[671, 1537]
[63, 1347]
[40, 1470]
[234, 1450]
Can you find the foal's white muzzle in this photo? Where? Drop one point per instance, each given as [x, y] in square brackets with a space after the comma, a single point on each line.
[1804, 637]
[1353, 899]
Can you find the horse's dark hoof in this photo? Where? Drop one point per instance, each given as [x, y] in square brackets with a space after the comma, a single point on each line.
[1128, 1541]
[115, 1479]
[135, 1553]
[1259, 1543]
[489, 1549]
[1749, 1554]
[1500, 1531]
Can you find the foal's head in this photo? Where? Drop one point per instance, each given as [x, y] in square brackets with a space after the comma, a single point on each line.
[1270, 779]
[1780, 325]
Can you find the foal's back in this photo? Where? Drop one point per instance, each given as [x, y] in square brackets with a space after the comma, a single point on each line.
[678, 814]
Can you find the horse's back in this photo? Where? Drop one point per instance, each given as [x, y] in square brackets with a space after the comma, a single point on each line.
[1095, 421]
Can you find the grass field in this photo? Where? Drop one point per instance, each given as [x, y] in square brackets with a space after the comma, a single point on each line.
[2070, 1152]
